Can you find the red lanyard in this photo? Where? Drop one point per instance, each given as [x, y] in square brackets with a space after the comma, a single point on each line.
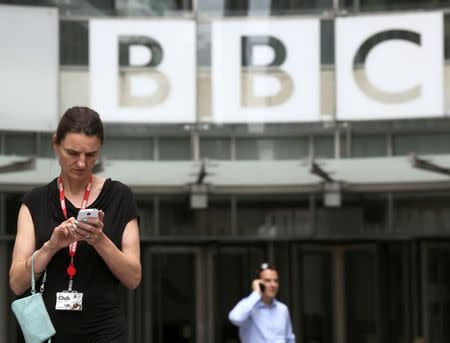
[71, 271]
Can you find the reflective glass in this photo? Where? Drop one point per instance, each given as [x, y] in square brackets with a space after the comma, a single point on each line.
[173, 298]
[22, 144]
[268, 217]
[432, 143]
[272, 149]
[146, 223]
[324, 146]
[45, 146]
[421, 214]
[369, 145]
[395, 304]
[177, 218]
[316, 297]
[268, 7]
[359, 215]
[127, 148]
[437, 302]
[389, 5]
[361, 294]
[143, 8]
[234, 271]
[171, 149]
[212, 148]
[74, 42]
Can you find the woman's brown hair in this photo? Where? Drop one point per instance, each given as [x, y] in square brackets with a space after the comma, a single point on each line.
[79, 120]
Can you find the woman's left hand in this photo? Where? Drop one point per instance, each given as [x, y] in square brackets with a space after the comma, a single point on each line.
[90, 230]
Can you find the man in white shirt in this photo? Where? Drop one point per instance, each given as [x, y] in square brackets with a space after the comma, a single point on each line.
[260, 317]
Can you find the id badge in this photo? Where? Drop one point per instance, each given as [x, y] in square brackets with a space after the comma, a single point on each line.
[69, 301]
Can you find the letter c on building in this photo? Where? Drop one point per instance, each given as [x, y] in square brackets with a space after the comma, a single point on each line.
[360, 59]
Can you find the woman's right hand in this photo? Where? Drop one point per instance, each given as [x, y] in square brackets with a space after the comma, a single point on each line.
[63, 235]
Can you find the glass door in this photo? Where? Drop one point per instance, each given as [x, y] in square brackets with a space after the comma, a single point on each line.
[172, 285]
[233, 272]
[436, 291]
[338, 291]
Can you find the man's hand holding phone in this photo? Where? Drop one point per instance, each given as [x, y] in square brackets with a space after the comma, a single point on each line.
[258, 286]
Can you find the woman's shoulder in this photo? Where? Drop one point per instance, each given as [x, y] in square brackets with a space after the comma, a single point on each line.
[38, 193]
[40, 190]
[118, 186]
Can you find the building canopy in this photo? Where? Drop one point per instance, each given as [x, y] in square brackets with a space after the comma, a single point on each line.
[401, 173]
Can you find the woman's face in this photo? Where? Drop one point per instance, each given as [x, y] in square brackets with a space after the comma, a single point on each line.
[77, 154]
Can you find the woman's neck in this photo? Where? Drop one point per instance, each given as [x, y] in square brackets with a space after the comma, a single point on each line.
[74, 187]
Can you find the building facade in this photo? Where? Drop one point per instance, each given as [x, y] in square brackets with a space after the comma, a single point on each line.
[352, 208]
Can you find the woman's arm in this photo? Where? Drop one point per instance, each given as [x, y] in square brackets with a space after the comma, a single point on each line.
[125, 264]
[24, 246]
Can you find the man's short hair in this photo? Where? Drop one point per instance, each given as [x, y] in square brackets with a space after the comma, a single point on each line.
[263, 266]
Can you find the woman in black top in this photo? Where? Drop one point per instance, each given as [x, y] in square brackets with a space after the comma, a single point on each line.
[107, 250]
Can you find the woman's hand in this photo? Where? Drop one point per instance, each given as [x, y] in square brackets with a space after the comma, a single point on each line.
[90, 230]
[63, 235]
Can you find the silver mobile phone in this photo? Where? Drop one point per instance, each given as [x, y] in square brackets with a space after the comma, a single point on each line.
[87, 213]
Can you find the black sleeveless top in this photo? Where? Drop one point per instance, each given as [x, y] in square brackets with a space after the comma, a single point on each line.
[101, 319]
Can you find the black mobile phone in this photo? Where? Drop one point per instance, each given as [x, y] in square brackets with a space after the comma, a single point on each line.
[262, 287]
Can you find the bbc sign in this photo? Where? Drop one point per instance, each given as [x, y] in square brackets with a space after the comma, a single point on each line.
[267, 70]
[143, 71]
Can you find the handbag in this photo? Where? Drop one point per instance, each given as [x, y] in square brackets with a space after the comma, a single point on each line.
[32, 314]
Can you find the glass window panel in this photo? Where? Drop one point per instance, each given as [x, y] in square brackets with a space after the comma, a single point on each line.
[86, 7]
[271, 218]
[171, 149]
[45, 146]
[153, 7]
[235, 268]
[22, 144]
[395, 297]
[421, 213]
[446, 39]
[324, 146]
[272, 149]
[26, 2]
[116, 148]
[437, 301]
[219, 149]
[173, 298]
[177, 218]
[327, 41]
[204, 49]
[317, 316]
[369, 145]
[215, 220]
[211, 7]
[359, 215]
[299, 6]
[267, 7]
[74, 42]
[113, 7]
[376, 5]
[247, 149]
[146, 223]
[436, 143]
[361, 295]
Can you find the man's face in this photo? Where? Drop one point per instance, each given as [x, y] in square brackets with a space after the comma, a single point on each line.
[270, 279]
